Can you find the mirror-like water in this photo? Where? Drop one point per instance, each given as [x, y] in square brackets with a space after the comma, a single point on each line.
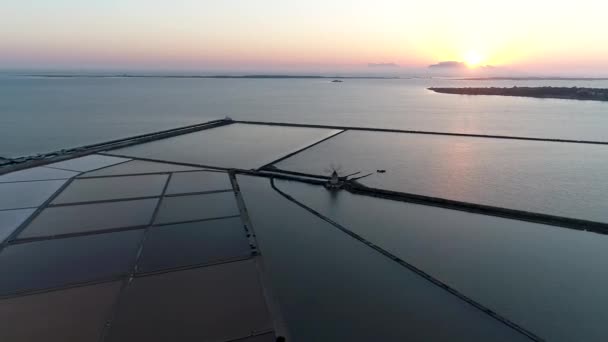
[47, 114]
[331, 287]
[562, 179]
[549, 280]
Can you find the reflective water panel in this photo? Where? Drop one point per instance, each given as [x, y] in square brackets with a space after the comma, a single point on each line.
[232, 146]
[37, 173]
[110, 188]
[137, 167]
[561, 179]
[59, 262]
[90, 217]
[88, 163]
[27, 194]
[214, 303]
[196, 207]
[333, 288]
[73, 315]
[193, 243]
[11, 219]
[550, 280]
[197, 182]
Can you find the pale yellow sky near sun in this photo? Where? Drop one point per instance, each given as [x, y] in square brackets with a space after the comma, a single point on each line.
[534, 34]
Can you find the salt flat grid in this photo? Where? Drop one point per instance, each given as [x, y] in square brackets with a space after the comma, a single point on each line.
[594, 226]
[229, 146]
[225, 188]
[188, 169]
[577, 224]
[247, 253]
[14, 239]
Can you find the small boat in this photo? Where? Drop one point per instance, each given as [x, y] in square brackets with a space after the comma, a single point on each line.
[337, 81]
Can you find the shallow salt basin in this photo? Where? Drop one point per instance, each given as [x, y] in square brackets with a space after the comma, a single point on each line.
[548, 279]
[236, 260]
[562, 179]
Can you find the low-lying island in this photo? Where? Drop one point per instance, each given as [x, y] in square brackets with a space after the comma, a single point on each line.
[572, 93]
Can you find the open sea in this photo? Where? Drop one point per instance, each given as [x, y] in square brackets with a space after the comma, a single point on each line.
[40, 114]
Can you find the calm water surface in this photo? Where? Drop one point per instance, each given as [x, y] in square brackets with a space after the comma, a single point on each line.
[550, 280]
[46, 114]
[562, 179]
[334, 288]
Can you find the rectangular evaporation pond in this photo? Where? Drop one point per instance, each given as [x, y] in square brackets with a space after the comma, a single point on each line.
[112, 188]
[198, 182]
[563, 179]
[88, 163]
[59, 262]
[551, 280]
[36, 174]
[215, 303]
[233, 146]
[196, 207]
[11, 219]
[138, 167]
[193, 243]
[76, 314]
[354, 292]
[90, 217]
[27, 194]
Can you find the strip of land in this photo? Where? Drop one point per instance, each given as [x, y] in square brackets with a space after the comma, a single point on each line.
[209, 76]
[532, 78]
[573, 93]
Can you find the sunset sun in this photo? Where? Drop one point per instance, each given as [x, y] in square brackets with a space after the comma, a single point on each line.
[473, 59]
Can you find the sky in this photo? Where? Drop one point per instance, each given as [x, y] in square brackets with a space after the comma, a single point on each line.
[537, 37]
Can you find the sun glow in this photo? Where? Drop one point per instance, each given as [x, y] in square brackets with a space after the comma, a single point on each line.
[473, 59]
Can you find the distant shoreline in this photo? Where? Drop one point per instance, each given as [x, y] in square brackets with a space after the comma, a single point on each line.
[210, 76]
[270, 76]
[573, 93]
[532, 78]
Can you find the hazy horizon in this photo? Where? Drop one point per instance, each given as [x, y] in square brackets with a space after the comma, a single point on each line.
[541, 38]
[400, 72]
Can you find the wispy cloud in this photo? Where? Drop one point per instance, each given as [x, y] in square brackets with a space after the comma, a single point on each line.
[449, 65]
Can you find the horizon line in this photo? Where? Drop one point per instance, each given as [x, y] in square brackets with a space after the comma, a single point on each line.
[159, 74]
